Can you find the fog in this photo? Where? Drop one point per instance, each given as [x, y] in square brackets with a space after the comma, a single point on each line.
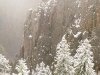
[12, 17]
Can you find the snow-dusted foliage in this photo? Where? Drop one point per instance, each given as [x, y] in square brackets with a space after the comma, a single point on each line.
[78, 2]
[47, 5]
[64, 59]
[77, 22]
[42, 70]
[83, 59]
[22, 68]
[4, 65]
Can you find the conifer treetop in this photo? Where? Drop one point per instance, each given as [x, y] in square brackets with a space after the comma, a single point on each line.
[22, 68]
[83, 59]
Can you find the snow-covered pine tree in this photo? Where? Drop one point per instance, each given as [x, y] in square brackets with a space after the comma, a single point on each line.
[83, 59]
[22, 68]
[64, 59]
[4, 65]
[42, 70]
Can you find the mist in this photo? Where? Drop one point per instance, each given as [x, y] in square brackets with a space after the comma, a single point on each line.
[12, 17]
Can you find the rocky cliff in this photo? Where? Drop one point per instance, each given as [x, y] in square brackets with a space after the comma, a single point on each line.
[45, 26]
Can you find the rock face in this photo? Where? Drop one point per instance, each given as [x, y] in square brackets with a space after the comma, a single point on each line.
[46, 25]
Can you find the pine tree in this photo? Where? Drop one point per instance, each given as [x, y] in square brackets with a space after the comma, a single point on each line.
[4, 65]
[42, 70]
[64, 59]
[22, 68]
[83, 59]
